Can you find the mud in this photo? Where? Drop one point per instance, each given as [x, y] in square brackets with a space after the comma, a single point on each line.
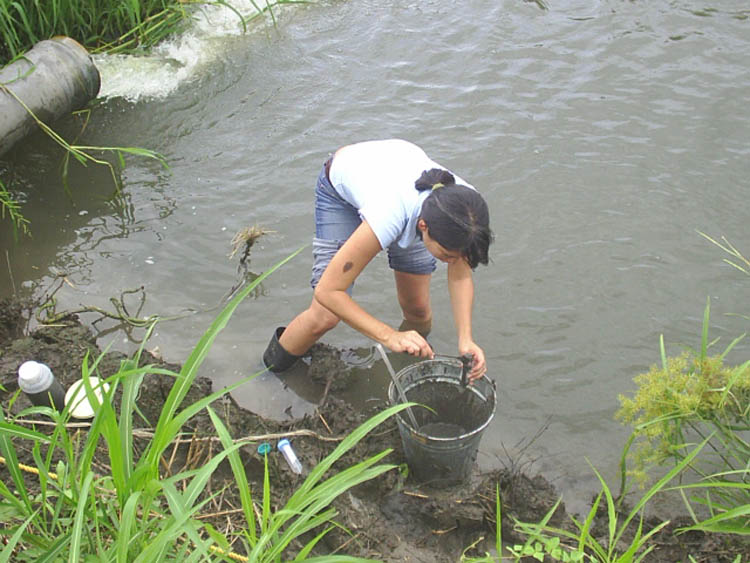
[391, 518]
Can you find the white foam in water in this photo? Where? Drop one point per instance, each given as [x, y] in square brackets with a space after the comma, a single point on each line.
[173, 61]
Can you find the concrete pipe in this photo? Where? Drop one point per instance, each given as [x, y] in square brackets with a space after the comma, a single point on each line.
[55, 77]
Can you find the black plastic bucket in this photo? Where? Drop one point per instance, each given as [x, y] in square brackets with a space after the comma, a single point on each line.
[443, 447]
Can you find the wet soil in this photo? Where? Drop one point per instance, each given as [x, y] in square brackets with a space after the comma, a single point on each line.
[391, 518]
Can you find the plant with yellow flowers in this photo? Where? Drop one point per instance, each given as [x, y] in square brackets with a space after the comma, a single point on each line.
[688, 399]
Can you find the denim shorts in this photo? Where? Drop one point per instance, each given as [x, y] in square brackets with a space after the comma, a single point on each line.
[335, 221]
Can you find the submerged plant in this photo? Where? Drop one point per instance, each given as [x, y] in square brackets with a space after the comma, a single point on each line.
[10, 208]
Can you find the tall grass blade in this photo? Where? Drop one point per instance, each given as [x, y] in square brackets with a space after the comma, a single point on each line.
[11, 461]
[346, 444]
[10, 545]
[659, 485]
[499, 521]
[238, 470]
[55, 552]
[722, 523]
[78, 521]
[125, 536]
[704, 333]
[165, 430]
[266, 512]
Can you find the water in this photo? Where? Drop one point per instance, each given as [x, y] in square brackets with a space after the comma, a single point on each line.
[442, 430]
[604, 135]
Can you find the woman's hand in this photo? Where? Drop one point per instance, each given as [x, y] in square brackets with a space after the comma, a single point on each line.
[479, 365]
[410, 342]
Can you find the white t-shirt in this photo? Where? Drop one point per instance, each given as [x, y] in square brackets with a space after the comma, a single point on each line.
[377, 178]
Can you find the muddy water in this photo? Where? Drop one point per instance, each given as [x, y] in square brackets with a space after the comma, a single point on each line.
[604, 135]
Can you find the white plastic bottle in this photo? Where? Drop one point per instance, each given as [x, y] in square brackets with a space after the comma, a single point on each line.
[37, 381]
[291, 458]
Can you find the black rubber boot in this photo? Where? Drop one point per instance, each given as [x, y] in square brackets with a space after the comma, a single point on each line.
[275, 358]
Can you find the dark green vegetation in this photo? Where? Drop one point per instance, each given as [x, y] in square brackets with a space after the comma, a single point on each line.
[96, 25]
[104, 25]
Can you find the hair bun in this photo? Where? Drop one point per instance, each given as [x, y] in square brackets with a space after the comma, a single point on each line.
[433, 179]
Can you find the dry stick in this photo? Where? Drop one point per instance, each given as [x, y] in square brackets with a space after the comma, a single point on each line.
[257, 438]
[219, 513]
[347, 542]
[148, 433]
[323, 420]
[49, 423]
[418, 495]
[10, 272]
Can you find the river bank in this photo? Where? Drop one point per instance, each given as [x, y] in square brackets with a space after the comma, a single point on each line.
[389, 518]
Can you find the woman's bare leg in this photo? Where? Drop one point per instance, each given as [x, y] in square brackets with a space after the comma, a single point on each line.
[414, 298]
[307, 328]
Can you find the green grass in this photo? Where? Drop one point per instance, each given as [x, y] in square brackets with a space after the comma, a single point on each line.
[25, 22]
[107, 25]
[136, 514]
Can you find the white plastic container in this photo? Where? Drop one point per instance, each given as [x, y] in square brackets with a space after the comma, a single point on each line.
[78, 402]
[40, 385]
[291, 458]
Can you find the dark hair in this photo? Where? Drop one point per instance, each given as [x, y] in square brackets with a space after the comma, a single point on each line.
[457, 216]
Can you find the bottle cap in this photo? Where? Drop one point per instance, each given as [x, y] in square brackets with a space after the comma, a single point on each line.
[282, 442]
[34, 377]
[264, 448]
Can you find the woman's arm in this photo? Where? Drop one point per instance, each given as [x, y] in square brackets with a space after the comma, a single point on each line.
[461, 289]
[359, 249]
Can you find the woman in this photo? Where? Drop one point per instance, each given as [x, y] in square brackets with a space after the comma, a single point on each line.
[389, 195]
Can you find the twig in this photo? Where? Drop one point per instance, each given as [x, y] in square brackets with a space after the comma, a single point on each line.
[50, 423]
[10, 272]
[217, 514]
[347, 542]
[149, 433]
[256, 438]
[323, 420]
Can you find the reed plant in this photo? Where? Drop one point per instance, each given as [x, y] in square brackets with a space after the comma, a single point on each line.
[136, 514]
[691, 398]
[25, 22]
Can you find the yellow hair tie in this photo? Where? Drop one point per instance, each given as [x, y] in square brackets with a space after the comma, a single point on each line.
[436, 186]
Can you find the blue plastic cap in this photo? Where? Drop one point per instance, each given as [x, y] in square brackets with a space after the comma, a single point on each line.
[264, 448]
[282, 442]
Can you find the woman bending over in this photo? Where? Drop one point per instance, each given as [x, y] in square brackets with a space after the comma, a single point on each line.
[389, 195]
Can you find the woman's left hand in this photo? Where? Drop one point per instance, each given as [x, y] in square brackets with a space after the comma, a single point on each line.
[479, 365]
